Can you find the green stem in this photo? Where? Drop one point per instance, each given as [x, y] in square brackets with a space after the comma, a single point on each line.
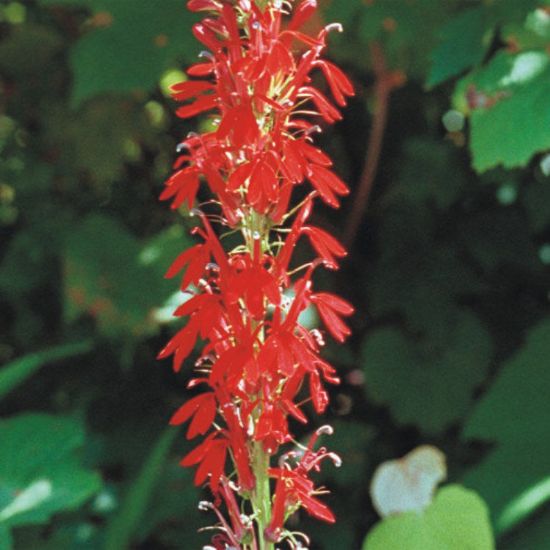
[261, 500]
[255, 226]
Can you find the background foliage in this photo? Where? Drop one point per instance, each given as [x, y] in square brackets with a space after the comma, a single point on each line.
[449, 270]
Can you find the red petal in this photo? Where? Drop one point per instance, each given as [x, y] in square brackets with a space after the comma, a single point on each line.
[204, 103]
[204, 416]
[302, 14]
[183, 91]
[187, 410]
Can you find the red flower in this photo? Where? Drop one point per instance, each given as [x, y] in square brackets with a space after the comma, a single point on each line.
[295, 490]
[258, 363]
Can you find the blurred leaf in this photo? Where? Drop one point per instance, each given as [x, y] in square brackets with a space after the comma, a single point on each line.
[465, 40]
[425, 176]
[107, 276]
[349, 441]
[537, 203]
[132, 44]
[534, 33]
[514, 413]
[534, 535]
[499, 238]
[43, 475]
[403, 29]
[426, 389]
[417, 276]
[100, 137]
[457, 519]
[5, 538]
[510, 105]
[15, 373]
[27, 50]
[173, 511]
[123, 526]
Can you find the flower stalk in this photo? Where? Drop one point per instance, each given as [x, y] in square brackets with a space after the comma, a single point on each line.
[259, 364]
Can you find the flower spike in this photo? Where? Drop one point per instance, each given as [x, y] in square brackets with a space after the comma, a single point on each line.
[258, 367]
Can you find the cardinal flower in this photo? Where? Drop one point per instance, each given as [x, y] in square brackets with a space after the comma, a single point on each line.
[258, 370]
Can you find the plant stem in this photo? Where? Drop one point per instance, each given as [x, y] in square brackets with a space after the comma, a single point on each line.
[255, 226]
[261, 501]
[385, 83]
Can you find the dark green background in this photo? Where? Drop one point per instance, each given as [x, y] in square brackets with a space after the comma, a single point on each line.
[449, 272]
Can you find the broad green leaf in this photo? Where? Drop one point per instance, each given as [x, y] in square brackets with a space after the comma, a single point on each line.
[514, 414]
[428, 388]
[532, 34]
[456, 520]
[126, 522]
[15, 373]
[132, 44]
[41, 474]
[510, 108]
[465, 40]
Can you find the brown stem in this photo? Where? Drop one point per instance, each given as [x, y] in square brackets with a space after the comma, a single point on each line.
[386, 81]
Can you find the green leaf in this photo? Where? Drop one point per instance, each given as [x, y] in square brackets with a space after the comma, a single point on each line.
[27, 50]
[124, 525]
[133, 43]
[457, 519]
[403, 29]
[15, 373]
[511, 100]
[515, 415]
[6, 542]
[110, 276]
[533, 535]
[419, 279]
[419, 181]
[172, 511]
[424, 387]
[537, 204]
[105, 134]
[499, 238]
[41, 474]
[465, 40]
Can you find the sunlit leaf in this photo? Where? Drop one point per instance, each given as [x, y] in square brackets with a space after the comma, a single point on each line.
[514, 414]
[457, 519]
[43, 475]
[510, 107]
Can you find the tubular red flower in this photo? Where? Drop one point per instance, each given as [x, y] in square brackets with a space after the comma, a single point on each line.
[258, 362]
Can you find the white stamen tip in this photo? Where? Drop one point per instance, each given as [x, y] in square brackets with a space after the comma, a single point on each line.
[325, 430]
[334, 27]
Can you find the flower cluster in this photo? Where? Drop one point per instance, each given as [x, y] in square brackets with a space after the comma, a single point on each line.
[259, 365]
